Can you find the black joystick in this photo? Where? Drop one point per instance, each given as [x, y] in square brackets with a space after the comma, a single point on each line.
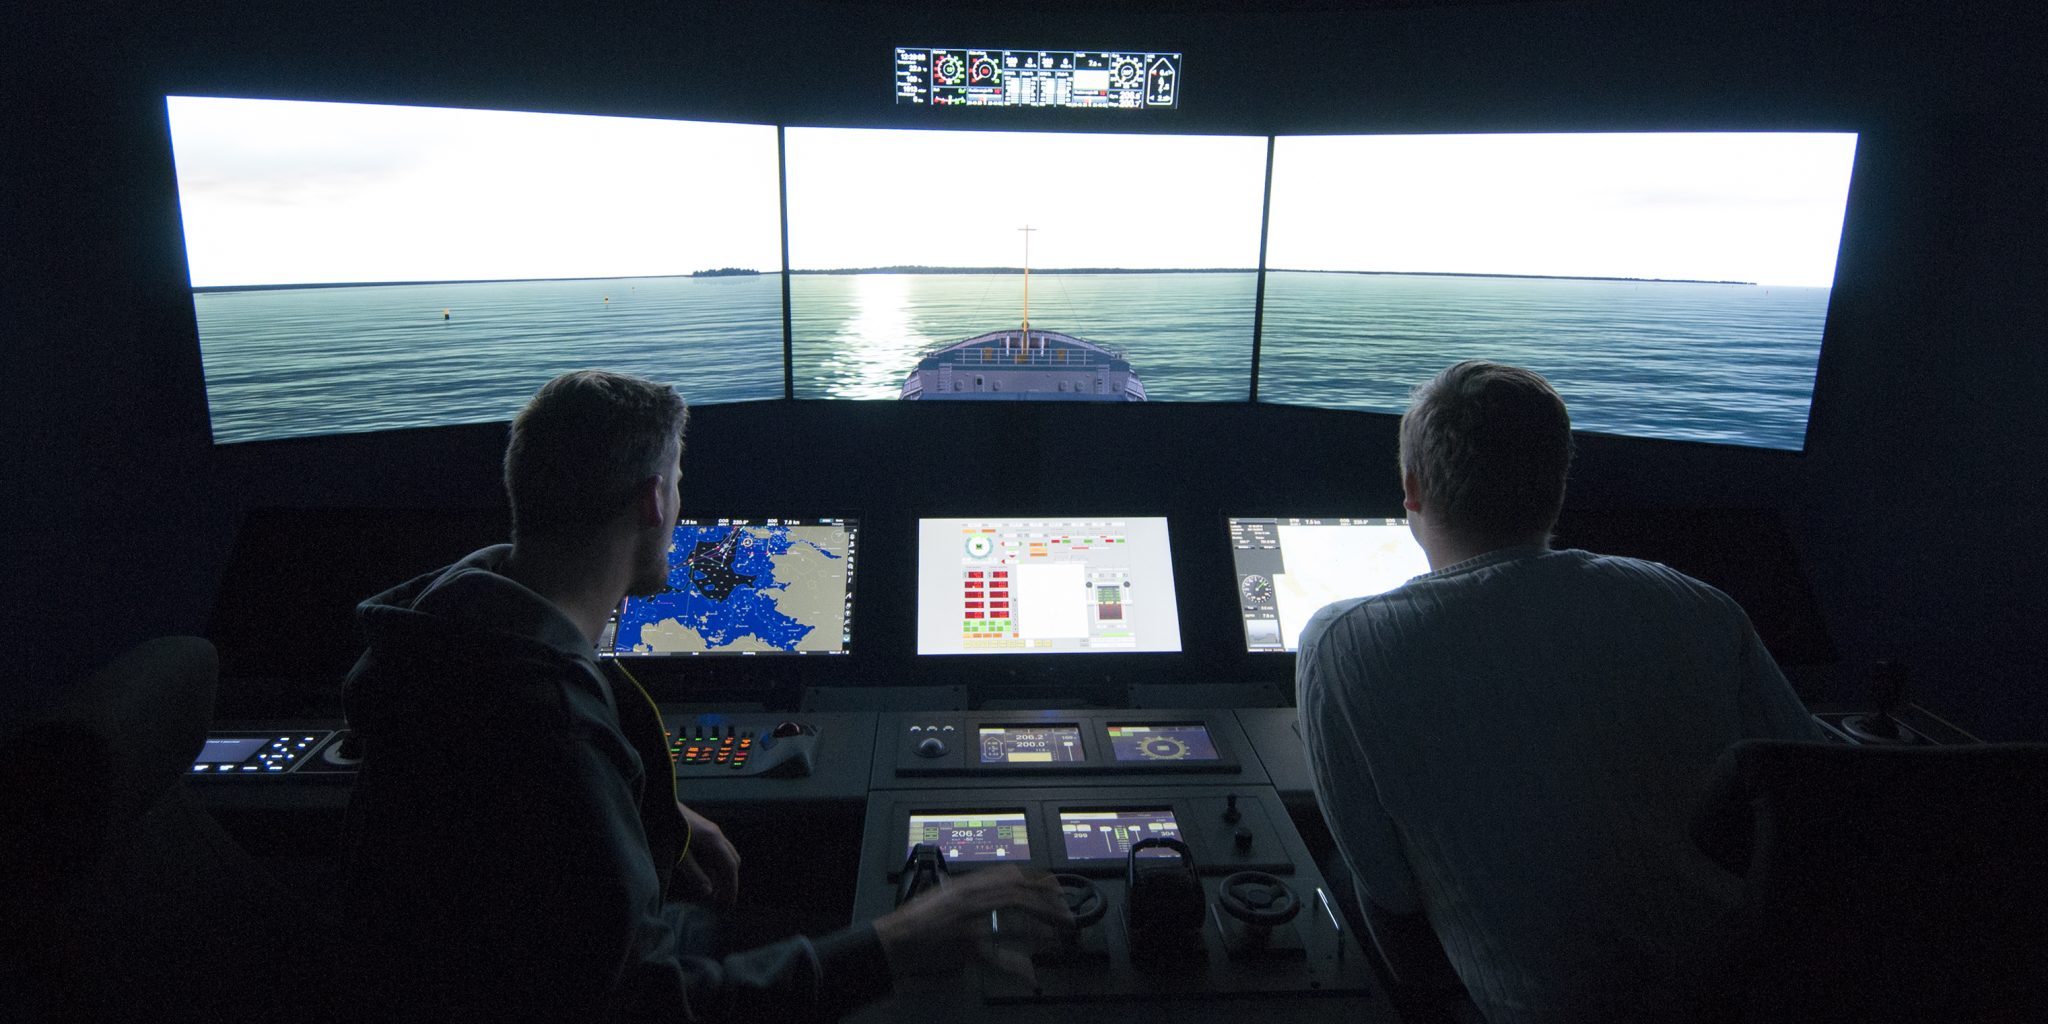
[348, 753]
[1163, 905]
[1887, 695]
[784, 730]
[1230, 812]
[1258, 899]
[923, 871]
[931, 746]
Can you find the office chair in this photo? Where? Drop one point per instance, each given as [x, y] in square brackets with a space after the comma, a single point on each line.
[1883, 884]
[126, 898]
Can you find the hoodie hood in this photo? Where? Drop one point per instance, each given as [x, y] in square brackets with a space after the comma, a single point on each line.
[444, 642]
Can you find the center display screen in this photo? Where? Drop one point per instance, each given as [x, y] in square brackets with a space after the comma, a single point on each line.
[1109, 835]
[745, 586]
[974, 836]
[1162, 743]
[1029, 745]
[1045, 586]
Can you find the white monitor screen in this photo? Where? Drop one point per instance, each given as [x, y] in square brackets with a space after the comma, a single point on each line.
[1035, 585]
[1288, 569]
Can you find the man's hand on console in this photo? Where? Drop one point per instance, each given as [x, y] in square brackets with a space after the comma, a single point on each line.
[712, 869]
[998, 915]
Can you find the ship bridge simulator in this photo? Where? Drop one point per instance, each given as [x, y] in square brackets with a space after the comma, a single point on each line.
[1003, 561]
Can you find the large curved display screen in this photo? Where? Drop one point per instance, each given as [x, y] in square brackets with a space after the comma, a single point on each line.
[358, 267]
[908, 249]
[1669, 285]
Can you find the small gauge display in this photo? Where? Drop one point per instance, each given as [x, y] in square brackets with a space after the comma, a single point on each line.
[1257, 589]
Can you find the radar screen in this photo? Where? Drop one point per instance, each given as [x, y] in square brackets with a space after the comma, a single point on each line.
[745, 586]
[967, 77]
[1030, 745]
[1045, 586]
[1109, 835]
[1288, 569]
[973, 837]
[1161, 743]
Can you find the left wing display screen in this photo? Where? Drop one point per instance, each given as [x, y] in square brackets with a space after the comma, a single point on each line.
[746, 586]
[973, 837]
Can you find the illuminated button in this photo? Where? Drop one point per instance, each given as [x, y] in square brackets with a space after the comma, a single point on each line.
[917, 728]
[201, 767]
[947, 728]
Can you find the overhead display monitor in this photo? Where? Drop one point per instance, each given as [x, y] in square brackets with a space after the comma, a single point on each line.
[1162, 743]
[1034, 585]
[973, 836]
[1670, 285]
[1289, 568]
[1109, 835]
[358, 267]
[983, 77]
[1018, 744]
[1034, 266]
[745, 586]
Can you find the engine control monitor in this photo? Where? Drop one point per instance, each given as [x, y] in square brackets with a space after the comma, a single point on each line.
[973, 837]
[1030, 745]
[970, 77]
[1162, 743]
[1109, 835]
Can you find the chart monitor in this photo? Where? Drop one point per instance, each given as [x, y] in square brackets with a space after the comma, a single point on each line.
[745, 586]
[1109, 835]
[1289, 568]
[1032, 585]
[973, 836]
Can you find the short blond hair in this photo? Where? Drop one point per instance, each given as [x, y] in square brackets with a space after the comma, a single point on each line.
[584, 444]
[1491, 446]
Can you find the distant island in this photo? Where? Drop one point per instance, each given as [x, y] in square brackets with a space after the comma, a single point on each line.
[727, 272]
[1523, 277]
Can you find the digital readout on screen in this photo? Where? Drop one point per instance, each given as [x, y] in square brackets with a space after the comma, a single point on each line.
[973, 836]
[1161, 743]
[1109, 835]
[1033, 745]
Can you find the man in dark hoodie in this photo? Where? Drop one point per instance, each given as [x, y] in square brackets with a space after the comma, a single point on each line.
[515, 848]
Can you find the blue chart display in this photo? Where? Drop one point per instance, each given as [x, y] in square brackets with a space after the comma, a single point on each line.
[740, 586]
[1109, 835]
[1161, 743]
[977, 836]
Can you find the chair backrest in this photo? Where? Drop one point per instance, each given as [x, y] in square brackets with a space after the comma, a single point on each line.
[1886, 883]
[128, 899]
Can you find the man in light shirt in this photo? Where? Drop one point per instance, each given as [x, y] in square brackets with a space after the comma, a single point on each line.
[1513, 743]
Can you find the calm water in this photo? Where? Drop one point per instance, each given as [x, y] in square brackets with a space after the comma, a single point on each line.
[290, 362]
[1692, 362]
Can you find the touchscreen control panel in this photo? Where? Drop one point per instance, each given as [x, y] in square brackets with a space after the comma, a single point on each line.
[249, 753]
[1019, 745]
[973, 837]
[1109, 835]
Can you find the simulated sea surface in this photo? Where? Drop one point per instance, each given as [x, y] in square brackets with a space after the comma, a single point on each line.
[1725, 363]
[290, 362]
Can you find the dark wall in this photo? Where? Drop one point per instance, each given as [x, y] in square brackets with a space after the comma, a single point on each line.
[1915, 510]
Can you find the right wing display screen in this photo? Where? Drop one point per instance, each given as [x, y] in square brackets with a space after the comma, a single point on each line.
[1288, 569]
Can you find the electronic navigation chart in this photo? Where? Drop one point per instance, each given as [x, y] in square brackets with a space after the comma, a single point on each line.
[746, 586]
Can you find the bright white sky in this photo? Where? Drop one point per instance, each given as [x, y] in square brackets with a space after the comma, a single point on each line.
[877, 198]
[1763, 207]
[285, 192]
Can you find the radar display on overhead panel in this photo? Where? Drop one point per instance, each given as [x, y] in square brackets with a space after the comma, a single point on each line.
[968, 77]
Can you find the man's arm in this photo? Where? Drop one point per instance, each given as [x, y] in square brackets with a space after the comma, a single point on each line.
[1329, 677]
[1769, 708]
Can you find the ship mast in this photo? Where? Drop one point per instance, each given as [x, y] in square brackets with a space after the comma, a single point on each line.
[1027, 229]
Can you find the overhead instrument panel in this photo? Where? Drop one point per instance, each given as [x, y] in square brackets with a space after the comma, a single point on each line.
[1129, 80]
